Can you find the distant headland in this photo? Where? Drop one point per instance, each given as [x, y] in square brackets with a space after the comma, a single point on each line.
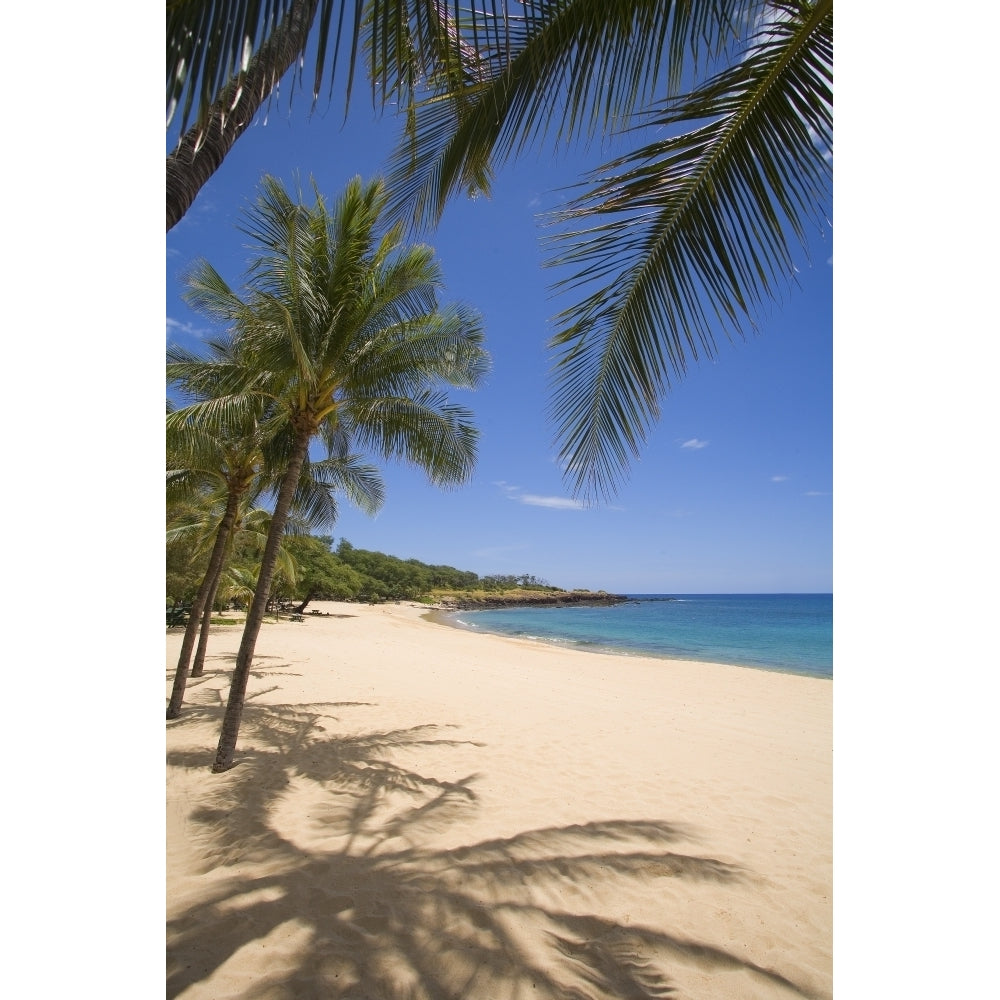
[529, 598]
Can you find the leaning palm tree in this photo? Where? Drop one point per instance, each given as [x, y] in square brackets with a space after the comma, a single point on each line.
[225, 60]
[233, 460]
[316, 500]
[239, 460]
[341, 331]
[228, 461]
[723, 109]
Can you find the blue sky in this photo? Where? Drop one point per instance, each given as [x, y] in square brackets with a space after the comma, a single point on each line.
[733, 492]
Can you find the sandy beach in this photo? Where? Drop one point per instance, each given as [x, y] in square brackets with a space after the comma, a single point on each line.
[423, 812]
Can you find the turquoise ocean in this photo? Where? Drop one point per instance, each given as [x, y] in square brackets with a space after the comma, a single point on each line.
[789, 633]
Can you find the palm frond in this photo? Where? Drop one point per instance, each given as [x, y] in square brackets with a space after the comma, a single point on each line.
[557, 70]
[209, 44]
[444, 347]
[237, 583]
[200, 520]
[216, 416]
[423, 430]
[696, 238]
[315, 501]
[359, 481]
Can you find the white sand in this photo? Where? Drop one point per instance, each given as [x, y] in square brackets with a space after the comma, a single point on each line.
[423, 812]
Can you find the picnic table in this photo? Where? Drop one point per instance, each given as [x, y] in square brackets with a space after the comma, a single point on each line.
[177, 616]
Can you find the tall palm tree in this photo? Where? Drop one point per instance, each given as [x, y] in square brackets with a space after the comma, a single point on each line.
[234, 461]
[724, 108]
[238, 460]
[342, 332]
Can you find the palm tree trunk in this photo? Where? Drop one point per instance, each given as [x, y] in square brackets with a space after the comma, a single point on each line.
[198, 667]
[255, 616]
[202, 149]
[198, 607]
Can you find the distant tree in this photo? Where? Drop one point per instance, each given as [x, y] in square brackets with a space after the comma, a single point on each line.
[389, 576]
[320, 575]
[449, 578]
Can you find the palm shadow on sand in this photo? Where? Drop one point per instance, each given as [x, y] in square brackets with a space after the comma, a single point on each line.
[379, 916]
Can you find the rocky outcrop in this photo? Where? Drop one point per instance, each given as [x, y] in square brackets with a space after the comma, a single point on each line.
[533, 599]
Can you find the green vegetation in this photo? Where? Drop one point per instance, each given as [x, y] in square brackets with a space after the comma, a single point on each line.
[390, 578]
[316, 571]
[317, 574]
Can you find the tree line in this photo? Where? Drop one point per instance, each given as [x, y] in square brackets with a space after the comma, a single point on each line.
[315, 568]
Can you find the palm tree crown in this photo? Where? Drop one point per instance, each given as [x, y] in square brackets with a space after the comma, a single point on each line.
[345, 333]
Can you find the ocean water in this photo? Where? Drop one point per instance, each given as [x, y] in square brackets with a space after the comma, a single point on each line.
[790, 633]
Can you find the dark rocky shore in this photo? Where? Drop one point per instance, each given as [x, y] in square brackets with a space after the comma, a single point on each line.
[534, 599]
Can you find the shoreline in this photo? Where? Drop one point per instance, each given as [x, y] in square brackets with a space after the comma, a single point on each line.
[454, 801]
[440, 615]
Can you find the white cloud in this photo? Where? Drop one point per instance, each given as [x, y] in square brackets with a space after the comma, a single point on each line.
[815, 493]
[556, 503]
[779, 479]
[175, 327]
[534, 500]
[695, 443]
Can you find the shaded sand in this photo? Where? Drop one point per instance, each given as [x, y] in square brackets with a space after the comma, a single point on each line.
[422, 812]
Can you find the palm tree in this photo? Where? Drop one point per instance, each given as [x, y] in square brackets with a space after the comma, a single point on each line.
[341, 331]
[724, 108]
[227, 114]
[236, 462]
[225, 59]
